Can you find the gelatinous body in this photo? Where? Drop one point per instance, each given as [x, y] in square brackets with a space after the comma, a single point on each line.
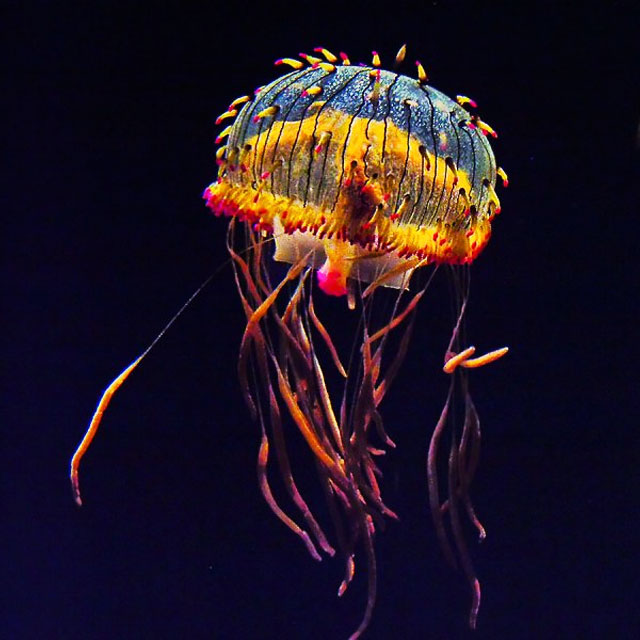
[363, 176]
[369, 180]
[359, 161]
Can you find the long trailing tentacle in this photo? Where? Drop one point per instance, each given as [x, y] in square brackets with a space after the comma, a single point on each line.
[462, 549]
[468, 455]
[288, 378]
[283, 458]
[326, 337]
[464, 451]
[111, 390]
[263, 454]
[93, 427]
[432, 478]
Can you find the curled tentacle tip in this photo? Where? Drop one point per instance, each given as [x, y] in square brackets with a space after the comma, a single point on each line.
[452, 360]
[75, 486]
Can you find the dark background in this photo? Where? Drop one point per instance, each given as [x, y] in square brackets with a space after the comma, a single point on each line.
[108, 146]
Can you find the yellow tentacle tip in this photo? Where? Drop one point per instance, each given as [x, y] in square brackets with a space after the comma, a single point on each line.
[327, 66]
[295, 64]
[310, 59]
[422, 74]
[223, 134]
[463, 100]
[463, 359]
[239, 101]
[327, 54]
[311, 91]
[487, 358]
[456, 359]
[485, 128]
[400, 56]
[266, 113]
[226, 115]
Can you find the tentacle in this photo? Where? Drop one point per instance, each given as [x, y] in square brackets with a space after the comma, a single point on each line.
[283, 460]
[468, 456]
[326, 337]
[372, 575]
[432, 477]
[458, 535]
[94, 424]
[263, 457]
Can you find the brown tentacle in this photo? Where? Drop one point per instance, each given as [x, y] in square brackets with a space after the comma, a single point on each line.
[468, 456]
[432, 478]
[458, 535]
[283, 458]
[326, 337]
[263, 457]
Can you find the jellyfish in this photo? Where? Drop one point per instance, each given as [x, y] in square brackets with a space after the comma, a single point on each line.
[351, 183]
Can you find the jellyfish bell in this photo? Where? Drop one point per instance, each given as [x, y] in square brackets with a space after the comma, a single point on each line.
[353, 162]
[363, 177]
[355, 179]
